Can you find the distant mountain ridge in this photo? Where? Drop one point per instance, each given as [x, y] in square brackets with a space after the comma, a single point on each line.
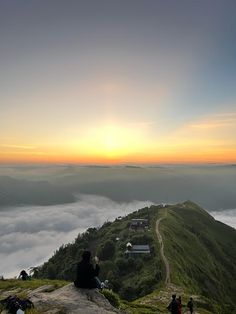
[200, 250]
[25, 192]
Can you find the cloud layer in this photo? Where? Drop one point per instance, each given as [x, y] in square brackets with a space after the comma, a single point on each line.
[228, 217]
[29, 235]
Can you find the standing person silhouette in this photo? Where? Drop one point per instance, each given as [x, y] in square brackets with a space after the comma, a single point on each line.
[179, 301]
[86, 275]
[173, 306]
[190, 305]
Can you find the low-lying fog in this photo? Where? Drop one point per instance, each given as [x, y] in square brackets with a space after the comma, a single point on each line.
[211, 186]
[30, 234]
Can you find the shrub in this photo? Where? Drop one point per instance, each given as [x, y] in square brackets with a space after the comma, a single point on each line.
[138, 264]
[106, 267]
[114, 280]
[51, 271]
[122, 265]
[107, 250]
[130, 263]
[141, 239]
[111, 297]
[128, 293]
[146, 285]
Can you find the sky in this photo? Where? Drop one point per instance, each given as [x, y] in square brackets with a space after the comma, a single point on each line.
[139, 81]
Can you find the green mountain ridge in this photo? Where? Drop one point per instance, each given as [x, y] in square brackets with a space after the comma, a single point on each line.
[200, 251]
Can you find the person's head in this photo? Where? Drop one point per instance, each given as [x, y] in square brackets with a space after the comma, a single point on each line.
[179, 298]
[191, 299]
[86, 256]
[173, 296]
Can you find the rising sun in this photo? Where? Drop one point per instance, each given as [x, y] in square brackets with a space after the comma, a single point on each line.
[111, 142]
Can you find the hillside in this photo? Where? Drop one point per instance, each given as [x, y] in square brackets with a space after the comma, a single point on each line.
[200, 252]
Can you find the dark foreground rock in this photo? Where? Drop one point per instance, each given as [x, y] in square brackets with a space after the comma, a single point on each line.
[71, 300]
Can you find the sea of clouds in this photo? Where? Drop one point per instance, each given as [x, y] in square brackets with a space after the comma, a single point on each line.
[228, 216]
[30, 234]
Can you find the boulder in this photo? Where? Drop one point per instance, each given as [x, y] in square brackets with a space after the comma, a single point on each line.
[71, 300]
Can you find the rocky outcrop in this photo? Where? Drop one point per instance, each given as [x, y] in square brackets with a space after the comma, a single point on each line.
[70, 300]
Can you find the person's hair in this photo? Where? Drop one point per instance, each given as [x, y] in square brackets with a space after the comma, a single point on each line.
[173, 296]
[86, 256]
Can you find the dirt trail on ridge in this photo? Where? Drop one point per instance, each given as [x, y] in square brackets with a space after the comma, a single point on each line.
[165, 260]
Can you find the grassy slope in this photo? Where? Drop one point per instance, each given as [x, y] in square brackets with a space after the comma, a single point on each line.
[200, 250]
[10, 284]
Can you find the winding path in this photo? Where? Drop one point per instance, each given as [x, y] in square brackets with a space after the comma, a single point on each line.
[165, 260]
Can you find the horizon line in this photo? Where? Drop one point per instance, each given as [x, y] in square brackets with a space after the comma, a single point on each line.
[102, 164]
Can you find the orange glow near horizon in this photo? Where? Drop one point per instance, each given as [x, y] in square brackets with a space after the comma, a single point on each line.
[203, 141]
[176, 157]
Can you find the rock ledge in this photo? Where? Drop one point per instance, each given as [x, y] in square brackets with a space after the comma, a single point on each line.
[70, 300]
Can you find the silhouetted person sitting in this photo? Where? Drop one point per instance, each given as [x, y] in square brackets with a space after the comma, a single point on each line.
[190, 305]
[23, 275]
[86, 273]
[173, 306]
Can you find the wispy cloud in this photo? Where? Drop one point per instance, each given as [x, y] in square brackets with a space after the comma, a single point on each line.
[215, 121]
[26, 147]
